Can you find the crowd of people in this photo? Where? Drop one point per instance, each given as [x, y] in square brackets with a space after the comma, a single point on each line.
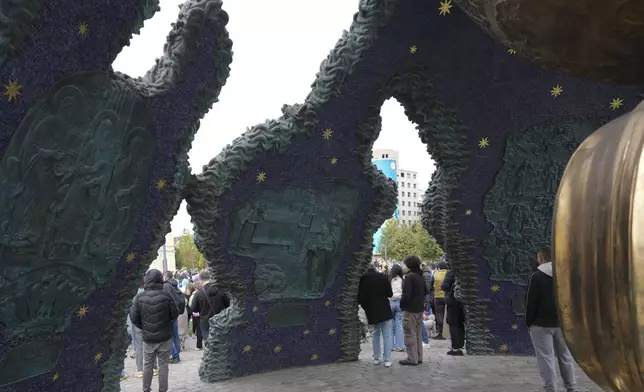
[403, 308]
[405, 305]
[160, 316]
[399, 306]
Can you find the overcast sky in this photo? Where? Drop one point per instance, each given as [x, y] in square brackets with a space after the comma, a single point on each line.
[258, 85]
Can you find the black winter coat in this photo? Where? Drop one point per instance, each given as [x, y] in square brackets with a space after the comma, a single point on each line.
[373, 295]
[448, 288]
[541, 306]
[154, 309]
[414, 292]
[208, 302]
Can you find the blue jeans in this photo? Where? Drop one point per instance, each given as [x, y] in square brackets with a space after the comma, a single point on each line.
[176, 342]
[398, 333]
[424, 332]
[385, 329]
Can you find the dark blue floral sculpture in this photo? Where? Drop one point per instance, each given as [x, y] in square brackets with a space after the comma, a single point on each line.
[92, 163]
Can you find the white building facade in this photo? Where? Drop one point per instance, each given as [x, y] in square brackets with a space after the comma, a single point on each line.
[409, 193]
[165, 260]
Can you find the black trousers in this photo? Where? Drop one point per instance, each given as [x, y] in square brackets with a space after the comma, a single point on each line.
[456, 321]
[439, 312]
[197, 331]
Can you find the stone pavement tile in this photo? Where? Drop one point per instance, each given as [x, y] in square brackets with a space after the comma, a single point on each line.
[440, 372]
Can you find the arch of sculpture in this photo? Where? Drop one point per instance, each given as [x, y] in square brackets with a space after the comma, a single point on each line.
[286, 213]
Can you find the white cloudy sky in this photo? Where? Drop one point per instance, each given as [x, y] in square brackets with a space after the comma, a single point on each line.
[259, 85]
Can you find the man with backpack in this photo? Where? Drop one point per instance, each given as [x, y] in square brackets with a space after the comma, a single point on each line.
[171, 286]
[208, 301]
[153, 311]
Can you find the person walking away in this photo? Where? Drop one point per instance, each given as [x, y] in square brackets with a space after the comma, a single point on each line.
[196, 328]
[153, 312]
[208, 302]
[455, 314]
[137, 342]
[172, 286]
[543, 322]
[438, 295]
[396, 276]
[412, 303]
[374, 292]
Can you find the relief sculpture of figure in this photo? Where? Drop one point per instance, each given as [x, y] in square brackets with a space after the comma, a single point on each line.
[318, 258]
[249, 225]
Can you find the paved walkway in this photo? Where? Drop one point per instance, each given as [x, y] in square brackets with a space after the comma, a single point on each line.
[440, 373]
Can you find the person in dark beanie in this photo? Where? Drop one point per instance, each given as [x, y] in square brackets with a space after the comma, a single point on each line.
[455, 314]
[412, 303]
[374, 292]
[208, 302]
[543, 322]
[153, 311]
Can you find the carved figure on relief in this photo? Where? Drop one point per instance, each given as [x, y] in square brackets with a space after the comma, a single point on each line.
[520, 203]
[72, 178]
[295, 238]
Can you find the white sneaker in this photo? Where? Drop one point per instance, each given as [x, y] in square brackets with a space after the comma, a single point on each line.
[427, 345]
[388, 364]
[376, 362]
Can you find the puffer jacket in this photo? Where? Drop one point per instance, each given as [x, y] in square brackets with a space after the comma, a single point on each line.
[154, 309]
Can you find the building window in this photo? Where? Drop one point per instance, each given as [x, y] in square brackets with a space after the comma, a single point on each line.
[408, 194]
[414, 186]
[403, 203]
[414, 176]
[414, 194]
[386, 155]
[403, 212]
[402, 184]
[402, 175]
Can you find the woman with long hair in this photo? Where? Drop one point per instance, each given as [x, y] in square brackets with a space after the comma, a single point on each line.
[396, 279]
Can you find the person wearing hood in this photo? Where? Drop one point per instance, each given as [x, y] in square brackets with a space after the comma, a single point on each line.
[207, 302]
[543, 322]
[171, 285]
[153, 312]
[374, 291]
[412, 302]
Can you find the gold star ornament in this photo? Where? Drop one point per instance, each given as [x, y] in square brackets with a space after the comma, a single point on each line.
[484, 142]
[12, 90]
[248, 348]
[468, 212]
[307, 332]
[261, 177]
[616, 103]
[98, 357]
[334, 160]
[445, 8]
[327, 303]
[161, 184]
[277, 349]
[327, 134]
[130, 257]
[55, 377]
[512, 51]
[504, 348]
[413, 49]
[556, 91]
[515, 327]
[332, 332]
[83, 29]
[82, 311]
[314, 357]
[255, 309]
[496, 288]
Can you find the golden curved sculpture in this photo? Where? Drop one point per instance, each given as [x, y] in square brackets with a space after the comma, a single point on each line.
[598, 237]
[595, 39]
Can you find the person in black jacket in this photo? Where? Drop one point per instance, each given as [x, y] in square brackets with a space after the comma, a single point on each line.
[208, 301]
[412, 303]
[542, 320]
[171, 286]
[455, 314]
[374, 292]
[153, 311]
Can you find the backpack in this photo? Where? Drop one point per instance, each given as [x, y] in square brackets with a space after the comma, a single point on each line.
[179, 299]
